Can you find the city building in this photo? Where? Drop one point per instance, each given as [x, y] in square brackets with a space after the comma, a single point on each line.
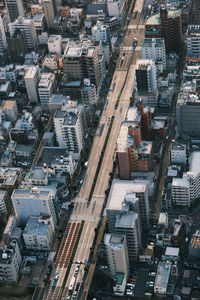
[49, 10]
[50, 62]
[17, 46]
[145, 76]
[116, 8]
[154, 48]
[38, 233]
[129, 225]
[120, 284]
[10, 110]
[70, 128]
[125, 193]
[3, 41]
[35, 201]
[25, 25]
[186, 189]
[39, 22]
[194, 246]
[162, 278]
[166, 24]
[178, 235]
[100, 33]
[193, 41]
[187, 115]
[31, 80]
[178, 153]
[45, 88]
[88, 92]
[117, 253]
[55, 44]
[15, 9]
[3, 200]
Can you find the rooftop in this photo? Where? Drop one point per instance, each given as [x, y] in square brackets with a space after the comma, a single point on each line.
[54, 38]
[145, 148]
[162, 275]
[178, 146]
[36, 193]
[126, 220]
[118, 192]
[114, 240]
[33, 227]
[154, 42]
[37, 173]
[154, 20]
[172, 251]
[125, 140]
[119, 277]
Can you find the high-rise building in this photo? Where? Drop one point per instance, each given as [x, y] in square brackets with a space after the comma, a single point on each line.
[35, 201]
[129, 225]
[31, 81]
[15, 9]
[117, 253]
[27, 27]
[128, 195]
[3, 42]
[193, 41]
[146, 76]
[178, 153]
[49, 8]
[10, 261]
[45, 88]
[70, 127]
[154, 48]
[187, 115]
[17, 46]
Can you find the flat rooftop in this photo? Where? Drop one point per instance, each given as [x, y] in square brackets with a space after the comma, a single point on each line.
[119, 190]
[33, 227]
[126, 220]
[172, 251]
[178, 146]
[37, 173]
[125, 140]
[162, 275]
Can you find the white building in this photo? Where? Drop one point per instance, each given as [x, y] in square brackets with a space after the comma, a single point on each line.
[115, 8]
[64, 164]
[129, 224]
[193, 40]
[100, 33]
[154, 48]
[146, 76]
[34, 202]
[178, 153]
[38, 233]
[3, 198]
[50, 62]
[162, 278]
[31, 81]
[125, 195]
[187, 188]
[10, 261]
[3, 41]
[45, 88]
[15, 9]
[69, 128]
[55, 44]
[88, 92]
[27, 26]
[117, 253]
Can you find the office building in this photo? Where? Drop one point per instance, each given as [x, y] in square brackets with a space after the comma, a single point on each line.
[49, 10]
[178, 153]
[166, 24]
[187, 115]
[129, 225]
[15, 9]
[125, 195]
[17, 47]
[162, 278]
[154, 48]
[46, 87]
[145, 76]
[70, 129]
[38, 233]
[187, 189]
[10, 261]
[25, 25]
[3, 41]
[116, 8]
[35, 201]
[117, 253]
[193, 41]
[31, 81]
[55, 44]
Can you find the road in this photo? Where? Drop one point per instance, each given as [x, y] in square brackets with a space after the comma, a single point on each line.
[122, 86]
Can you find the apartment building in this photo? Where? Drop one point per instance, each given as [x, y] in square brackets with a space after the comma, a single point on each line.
[70, 129]
[154, 48]
[35, 201]
[145, 76]
[15, 9]
[193, 41]
[55, 44]
[178, 153]
[46, 87]
[31, 78]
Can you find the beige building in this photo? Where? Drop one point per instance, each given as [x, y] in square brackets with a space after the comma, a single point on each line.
[10, 110]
